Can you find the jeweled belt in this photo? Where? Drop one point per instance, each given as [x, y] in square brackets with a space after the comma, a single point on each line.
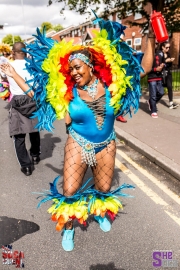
[88, 148]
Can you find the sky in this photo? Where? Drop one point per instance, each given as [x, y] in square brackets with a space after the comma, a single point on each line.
[22, 17]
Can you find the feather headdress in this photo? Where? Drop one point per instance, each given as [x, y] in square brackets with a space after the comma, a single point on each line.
[115, 63]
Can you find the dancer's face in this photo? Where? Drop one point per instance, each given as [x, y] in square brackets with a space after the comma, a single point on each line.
[80, 72]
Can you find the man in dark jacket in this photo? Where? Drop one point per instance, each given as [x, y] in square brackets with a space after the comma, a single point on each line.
[19, 121]
[156, 90]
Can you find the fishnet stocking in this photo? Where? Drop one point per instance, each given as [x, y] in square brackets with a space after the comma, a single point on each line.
[104, 170]
[69, 225]
[74, 170]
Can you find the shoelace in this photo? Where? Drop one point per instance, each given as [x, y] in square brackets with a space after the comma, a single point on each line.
[69, 234]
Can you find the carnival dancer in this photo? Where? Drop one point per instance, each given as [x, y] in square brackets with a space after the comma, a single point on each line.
[89, 86]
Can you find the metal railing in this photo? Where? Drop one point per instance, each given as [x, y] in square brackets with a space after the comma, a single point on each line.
[175, 80]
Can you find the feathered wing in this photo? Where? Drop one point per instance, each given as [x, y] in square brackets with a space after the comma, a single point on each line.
[125, 67]
[115, 63]
[38, 52]
[52, 83]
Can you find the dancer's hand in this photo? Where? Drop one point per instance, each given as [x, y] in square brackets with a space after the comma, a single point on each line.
[8, 69]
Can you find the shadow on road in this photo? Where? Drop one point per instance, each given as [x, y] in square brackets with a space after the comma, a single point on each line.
[164, 103]
[48, 143]
[12, 229]
[56, 170]
[144, 107]
[109, 266]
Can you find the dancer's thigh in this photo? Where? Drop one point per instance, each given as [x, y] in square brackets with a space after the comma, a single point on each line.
[74, 170]
[104, 170]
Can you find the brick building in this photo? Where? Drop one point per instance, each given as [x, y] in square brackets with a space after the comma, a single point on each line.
[83, 33]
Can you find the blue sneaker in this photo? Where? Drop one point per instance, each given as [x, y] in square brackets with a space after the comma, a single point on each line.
[68, 240]
[104, 223]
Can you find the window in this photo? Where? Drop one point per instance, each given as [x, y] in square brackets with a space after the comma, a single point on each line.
[137, 41]
[137, 44]
[129, 42]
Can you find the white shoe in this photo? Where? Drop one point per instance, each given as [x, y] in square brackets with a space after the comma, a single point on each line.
[173, 105]
[154, 115]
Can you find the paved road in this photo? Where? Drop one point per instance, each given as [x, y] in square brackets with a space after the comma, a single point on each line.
[150, 221]
[157, 139]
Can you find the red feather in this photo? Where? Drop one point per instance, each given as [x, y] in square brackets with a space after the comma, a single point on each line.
[111, 215]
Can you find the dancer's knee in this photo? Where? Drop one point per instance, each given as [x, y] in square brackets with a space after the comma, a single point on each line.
[104, 188]
[70, 191]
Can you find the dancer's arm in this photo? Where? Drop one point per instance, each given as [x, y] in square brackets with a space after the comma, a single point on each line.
[10, 71]
[67, 122]
[147, 61]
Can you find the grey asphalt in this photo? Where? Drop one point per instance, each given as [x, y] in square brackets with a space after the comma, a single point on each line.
[142, 227]
[158, 139]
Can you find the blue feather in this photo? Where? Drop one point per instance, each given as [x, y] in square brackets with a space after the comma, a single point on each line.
[38, 51]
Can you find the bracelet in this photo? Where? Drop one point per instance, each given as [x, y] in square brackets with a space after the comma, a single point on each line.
[26, 92]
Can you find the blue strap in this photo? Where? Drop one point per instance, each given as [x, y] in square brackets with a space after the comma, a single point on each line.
[26, 92]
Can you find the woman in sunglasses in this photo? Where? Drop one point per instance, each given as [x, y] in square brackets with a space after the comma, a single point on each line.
[165, 47]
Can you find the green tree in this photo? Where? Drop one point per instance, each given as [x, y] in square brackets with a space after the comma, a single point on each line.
[58, 27]
[169, 8]
[10, 39]
[48, 26]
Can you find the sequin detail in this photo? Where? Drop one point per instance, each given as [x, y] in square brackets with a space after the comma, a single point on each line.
[82, 57]
[91, 89]
[88, 148]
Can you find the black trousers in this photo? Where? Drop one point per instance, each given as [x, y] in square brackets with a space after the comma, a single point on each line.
[169, 86]
[21, 151]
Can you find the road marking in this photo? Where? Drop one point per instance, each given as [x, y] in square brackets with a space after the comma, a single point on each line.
[148, 191]
[153, 179]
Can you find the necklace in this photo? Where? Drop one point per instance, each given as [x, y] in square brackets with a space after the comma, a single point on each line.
[91, 89]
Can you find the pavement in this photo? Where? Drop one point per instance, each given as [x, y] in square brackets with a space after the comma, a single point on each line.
[157, 139]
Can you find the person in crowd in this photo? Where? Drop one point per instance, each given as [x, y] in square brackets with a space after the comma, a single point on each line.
[155, 86]
[165, 47]
[82, 83]
[4, 85]
[19, 122]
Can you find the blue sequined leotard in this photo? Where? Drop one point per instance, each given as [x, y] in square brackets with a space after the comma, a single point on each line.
[84, 122]
[85, 129]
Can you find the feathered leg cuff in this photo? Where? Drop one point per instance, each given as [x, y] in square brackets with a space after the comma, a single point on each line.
[82, 203]
[66, 208]
[101, 203]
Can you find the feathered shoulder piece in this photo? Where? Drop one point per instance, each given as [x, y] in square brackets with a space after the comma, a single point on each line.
[115, 63]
